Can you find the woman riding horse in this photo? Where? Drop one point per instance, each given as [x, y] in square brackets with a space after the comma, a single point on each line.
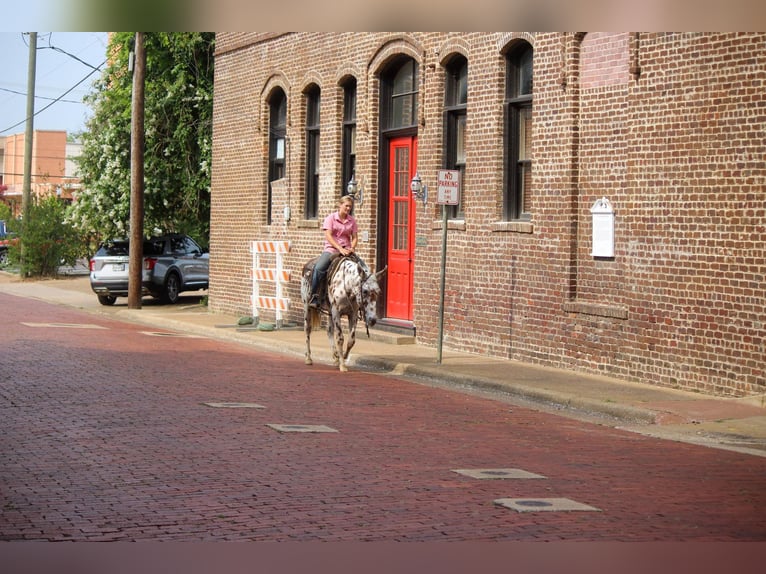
[340, 237]
[351, 290]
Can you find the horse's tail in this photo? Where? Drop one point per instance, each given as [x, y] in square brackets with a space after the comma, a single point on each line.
[315, 318]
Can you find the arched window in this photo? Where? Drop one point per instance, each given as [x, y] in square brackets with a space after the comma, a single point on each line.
[277, 142]
[312, 153]
[455, 106]
[518, 132]
[402, 108]
[348, 144]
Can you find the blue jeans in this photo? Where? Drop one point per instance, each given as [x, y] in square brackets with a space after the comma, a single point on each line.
[320, 271]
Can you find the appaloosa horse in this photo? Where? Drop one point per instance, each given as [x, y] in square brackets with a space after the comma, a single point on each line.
[352, 290]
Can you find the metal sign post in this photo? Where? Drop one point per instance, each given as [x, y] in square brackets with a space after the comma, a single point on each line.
[448, 193]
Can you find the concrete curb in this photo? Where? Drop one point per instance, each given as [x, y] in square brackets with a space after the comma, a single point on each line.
[625, 413]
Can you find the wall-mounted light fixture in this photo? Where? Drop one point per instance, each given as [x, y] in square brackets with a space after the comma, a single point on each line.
[419, 189]
[355, 189]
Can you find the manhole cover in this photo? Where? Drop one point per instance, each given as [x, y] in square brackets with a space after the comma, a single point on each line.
[301, 428]
[235, 405]
[497, 473]
[544, 505]
[534, 503]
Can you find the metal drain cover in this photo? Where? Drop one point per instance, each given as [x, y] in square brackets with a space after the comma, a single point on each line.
[544, 505]
[301, 428]
[497, 473]
[235, 405]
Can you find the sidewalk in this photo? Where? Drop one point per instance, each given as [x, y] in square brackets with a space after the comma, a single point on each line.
[733, 424]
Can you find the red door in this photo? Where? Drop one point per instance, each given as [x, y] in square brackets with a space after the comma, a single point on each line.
[401, 228]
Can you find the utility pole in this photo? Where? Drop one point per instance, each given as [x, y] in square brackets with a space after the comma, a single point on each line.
[137, 176]
[26, 190]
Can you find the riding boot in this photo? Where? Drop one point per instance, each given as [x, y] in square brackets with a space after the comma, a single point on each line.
[314, 297]
[318, 280]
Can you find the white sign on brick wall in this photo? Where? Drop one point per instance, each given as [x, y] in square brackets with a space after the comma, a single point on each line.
[603, 228]
[448, 187]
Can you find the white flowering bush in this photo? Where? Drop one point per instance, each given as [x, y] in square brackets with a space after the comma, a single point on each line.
[177, 139]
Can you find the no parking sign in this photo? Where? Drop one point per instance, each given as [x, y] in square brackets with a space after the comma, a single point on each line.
[448, 187]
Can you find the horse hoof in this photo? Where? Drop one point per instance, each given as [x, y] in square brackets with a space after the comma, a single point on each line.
[343, 368]
[309, 362]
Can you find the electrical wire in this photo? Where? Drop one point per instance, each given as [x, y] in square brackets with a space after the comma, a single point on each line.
[70, 55]
[39, 97]
[56, 99]
[50, 46]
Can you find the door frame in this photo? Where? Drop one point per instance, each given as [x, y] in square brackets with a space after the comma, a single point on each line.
[404, 297]
[383, 217]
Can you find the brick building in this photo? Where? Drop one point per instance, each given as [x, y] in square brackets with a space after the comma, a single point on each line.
[669, 288]
[53, 169]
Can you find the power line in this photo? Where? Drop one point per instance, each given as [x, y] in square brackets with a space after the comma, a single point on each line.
[57, 49]
[42, 175]
[40, 97]
[56, 99]
[18, 155]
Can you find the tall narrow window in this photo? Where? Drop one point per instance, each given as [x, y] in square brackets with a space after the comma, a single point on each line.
[349, 134]
[277, 143]
[404, 96]
[455, 106]
[312, 154]
[518, 132]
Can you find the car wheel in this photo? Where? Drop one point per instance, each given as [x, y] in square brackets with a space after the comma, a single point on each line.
[107, 299]
[172, 288]
[4, 257]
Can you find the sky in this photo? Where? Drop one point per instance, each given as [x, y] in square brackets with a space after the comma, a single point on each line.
[56, 73]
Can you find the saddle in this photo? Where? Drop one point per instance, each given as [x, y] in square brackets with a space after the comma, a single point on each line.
[308, 271]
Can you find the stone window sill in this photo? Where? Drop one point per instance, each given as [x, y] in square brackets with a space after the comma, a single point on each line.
[452, 224]
[513, 227]
[600, 310]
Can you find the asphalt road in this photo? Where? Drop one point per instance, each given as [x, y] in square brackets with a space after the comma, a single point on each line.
[114, 431]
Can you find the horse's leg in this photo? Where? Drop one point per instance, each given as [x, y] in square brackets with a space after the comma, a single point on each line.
[308, 317]
[333, 327]
[307, 329]
[339, 355]
[351, 333]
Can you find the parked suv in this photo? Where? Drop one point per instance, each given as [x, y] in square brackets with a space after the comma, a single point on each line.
[172, 264]
[6, 240]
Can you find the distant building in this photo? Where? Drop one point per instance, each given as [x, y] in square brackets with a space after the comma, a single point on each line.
[612, 208]
[53, 170]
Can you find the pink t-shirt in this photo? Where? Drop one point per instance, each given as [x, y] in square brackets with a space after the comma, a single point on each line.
[342, 231]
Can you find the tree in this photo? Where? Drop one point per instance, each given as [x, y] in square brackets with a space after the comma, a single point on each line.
[5, 210]
[178, 138]
[49, 240]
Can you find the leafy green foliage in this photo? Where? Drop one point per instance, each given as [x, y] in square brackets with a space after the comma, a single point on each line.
[46, 239]
[178, 139]
[5, 212]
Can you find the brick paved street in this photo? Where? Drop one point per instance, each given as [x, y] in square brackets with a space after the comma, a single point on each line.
[105, 436]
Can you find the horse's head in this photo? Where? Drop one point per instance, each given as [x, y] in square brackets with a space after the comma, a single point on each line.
[370, 294]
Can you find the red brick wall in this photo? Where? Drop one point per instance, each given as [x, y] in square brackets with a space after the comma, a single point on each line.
[668, 127]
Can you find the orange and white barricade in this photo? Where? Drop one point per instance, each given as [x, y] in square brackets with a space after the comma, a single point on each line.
[276, 274]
